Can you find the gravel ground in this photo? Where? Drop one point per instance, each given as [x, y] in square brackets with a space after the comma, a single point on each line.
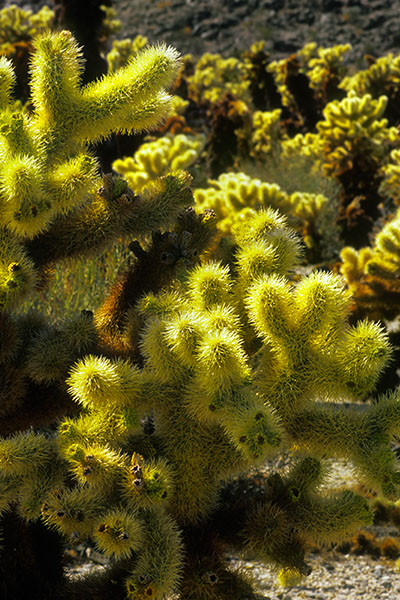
[230, 26]
[334, 576]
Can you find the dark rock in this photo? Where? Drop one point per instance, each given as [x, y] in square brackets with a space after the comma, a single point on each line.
[286, 45]
[231, 26]
[329, 5]
[375, 21]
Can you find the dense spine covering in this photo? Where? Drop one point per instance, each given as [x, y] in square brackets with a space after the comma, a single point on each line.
[184, 378]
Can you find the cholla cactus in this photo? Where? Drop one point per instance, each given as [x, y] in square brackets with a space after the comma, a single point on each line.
[236, 366]
[353, 127]
[372, 273]
[264, 93]
[53, 201]
[123, 50]
[19, 25]
[215, 76]
[278, 69]
[235, 197]
[111, 24]
[54, 205]
[356, 142]
[325, 68]
[154, 159]
[266, 133]
[390, 186]
[232, 195]
[382, 76]
[308, 145]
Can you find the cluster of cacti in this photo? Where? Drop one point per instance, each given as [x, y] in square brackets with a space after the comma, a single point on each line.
[354, 127]
[135, 425]
[324, 67]
[20, 25]
[372, 273]
[238, 134]
[123, 50]
[303, 99]
[382, 76]
[154, 159]
[235, 196]
[215, 76]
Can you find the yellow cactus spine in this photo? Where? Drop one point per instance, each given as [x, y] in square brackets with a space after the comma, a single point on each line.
[158, 570]
[99, 381]
[118, 533]
[7, 79]
[209, 285]
[154, 159]
[120, 101]
[67, 115]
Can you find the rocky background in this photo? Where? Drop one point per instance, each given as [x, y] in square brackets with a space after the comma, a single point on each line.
[229, 26]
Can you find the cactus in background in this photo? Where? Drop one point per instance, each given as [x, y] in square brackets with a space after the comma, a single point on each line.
[325, 69]
[266, 133]
[381, 77]
[356, 142]
[154, 159]
[390, 186]
[18, 25]
[235, 197]
[123, 50]
[372, 273]
[351, 127]
[383, 74]
[215, 76]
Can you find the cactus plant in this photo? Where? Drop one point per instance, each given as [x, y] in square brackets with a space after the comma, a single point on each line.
[135, 426]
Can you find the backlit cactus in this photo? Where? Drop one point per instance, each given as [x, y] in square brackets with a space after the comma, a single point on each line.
[154, 159]
[235, 196]
[140, 423]
[372, 273]
[237, 366]
[325, 67]
[382, 76]
[354, 126]
[19, 25]
[215, 76]
[50, 187]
